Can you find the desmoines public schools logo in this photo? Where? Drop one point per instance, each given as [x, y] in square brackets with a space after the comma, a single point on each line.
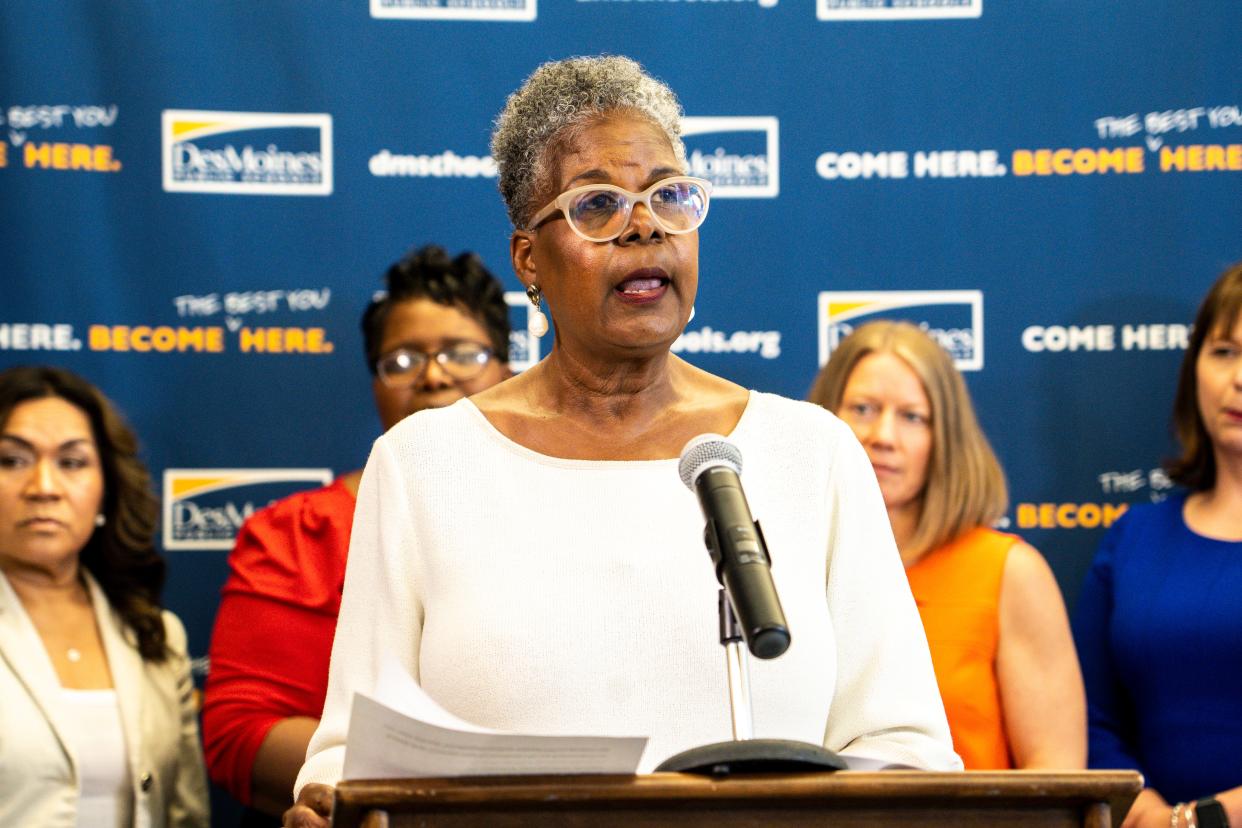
[739, 155]
[954, 318]
[247, 153]
[204, 508]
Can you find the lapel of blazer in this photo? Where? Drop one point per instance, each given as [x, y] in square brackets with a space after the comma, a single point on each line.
[125, 662]
[23, 651]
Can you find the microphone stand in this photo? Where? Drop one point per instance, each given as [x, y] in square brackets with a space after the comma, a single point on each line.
[746, 754]
[738, 667]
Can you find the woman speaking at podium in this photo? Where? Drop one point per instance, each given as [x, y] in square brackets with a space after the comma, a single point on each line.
[530, 555]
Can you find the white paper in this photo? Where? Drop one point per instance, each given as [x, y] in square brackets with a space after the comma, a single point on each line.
[395, 688]
[409, 735]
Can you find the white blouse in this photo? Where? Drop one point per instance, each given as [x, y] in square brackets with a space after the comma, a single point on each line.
[105, 798]
[541, 595]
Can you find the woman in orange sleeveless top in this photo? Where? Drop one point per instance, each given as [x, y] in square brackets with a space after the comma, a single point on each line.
[995, 620]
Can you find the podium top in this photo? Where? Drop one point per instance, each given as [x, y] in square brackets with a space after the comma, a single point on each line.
[847, 798]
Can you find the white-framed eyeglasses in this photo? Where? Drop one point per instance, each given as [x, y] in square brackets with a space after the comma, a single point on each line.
[461, 361]
[601, 212]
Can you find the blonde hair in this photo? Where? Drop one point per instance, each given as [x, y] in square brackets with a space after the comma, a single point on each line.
[965, 485]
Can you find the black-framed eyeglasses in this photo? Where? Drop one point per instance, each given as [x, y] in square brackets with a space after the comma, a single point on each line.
[461, 361]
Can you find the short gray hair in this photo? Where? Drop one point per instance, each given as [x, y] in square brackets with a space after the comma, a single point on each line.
[564, 95]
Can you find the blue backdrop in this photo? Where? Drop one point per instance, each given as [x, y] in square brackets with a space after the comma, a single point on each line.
[198, 199]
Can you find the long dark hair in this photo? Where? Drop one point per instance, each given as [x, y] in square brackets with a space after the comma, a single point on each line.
[1195, 467]
[121, 554]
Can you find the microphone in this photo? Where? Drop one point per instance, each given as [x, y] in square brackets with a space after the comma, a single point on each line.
[710, 467]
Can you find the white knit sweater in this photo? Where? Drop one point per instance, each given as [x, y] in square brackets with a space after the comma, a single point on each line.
[533, 594]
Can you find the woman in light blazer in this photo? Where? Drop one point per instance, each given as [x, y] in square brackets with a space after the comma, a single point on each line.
[97, 717]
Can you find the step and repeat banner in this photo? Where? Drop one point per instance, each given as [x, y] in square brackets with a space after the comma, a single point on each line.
[197, 200]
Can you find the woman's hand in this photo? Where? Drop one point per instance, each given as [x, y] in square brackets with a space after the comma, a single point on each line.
[313, 808]
[1148, 811]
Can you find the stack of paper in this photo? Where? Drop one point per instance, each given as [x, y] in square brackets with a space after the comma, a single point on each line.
[410, 735]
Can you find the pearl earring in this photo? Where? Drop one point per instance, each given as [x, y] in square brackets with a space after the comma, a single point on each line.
[100, 520]
[536, 321]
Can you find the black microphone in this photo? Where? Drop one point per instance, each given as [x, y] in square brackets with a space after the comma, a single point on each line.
[711, 467]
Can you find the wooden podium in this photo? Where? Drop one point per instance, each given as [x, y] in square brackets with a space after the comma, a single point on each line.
[1096, 799]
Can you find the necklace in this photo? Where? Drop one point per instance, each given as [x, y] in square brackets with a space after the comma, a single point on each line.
[73, 654]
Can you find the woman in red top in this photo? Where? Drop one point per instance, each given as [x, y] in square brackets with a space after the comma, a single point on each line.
[440, 333]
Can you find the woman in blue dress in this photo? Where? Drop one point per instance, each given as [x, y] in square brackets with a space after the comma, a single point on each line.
[1159, 622]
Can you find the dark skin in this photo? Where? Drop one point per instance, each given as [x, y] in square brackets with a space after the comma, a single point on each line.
[609, 389]
[313, 808]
